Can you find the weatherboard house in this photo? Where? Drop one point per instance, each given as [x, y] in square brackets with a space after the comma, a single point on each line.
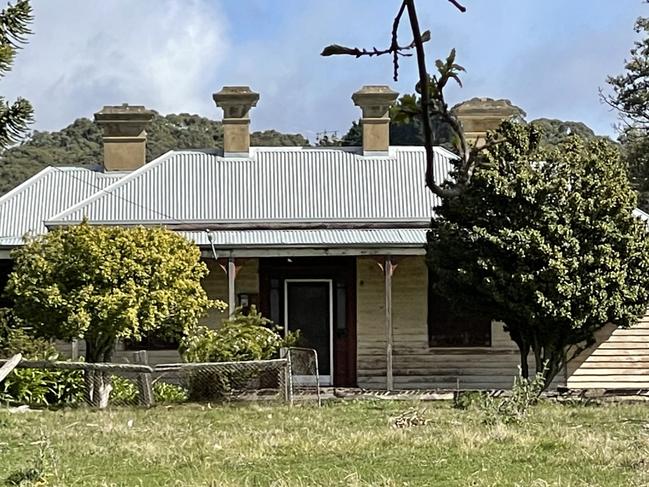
[328, 240]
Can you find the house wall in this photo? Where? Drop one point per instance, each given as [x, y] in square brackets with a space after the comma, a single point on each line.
[415, 364]
[619, 360]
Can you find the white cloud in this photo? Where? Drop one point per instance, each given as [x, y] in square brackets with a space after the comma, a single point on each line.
[83, 55]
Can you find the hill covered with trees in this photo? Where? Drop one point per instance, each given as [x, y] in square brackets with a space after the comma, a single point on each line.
[79, 144]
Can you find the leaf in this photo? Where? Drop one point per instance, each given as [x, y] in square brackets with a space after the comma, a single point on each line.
[336, 49]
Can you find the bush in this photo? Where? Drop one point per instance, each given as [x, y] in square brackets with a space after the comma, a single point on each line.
[514, 408]
[240, 338]
[39, 387]
[166, 393]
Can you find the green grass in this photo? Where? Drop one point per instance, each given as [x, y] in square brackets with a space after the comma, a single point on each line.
[344, 443]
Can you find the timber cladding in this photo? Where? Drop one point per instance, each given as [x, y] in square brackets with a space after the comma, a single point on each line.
[619, 360]
[415, 364]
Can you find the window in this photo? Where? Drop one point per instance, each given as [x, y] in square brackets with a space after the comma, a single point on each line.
[448, 329]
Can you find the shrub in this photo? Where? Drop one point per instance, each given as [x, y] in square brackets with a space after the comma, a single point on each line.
[40, 387]
[514, 408]
[240, 338]
[166, 393]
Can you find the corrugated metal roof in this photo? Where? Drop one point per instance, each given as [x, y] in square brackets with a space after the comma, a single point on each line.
[339, 238]
[25, 208]
[299, 184]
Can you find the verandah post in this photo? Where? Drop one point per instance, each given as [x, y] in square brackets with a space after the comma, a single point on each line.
[232, 273]
[387, 270]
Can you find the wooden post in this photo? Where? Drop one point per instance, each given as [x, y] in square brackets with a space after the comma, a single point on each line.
[74, 351]
[144, 380]
[9, 365]
[232, 273]
[387, 271]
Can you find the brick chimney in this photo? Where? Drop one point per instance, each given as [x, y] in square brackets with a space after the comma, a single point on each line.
[124, 137]
[236, 102]
[481, 115]
[375, 103]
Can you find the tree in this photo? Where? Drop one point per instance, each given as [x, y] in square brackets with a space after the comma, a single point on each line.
[14, 28]
[432, 105]
[80, 144]
[630, 97]
[104, 284]
[545, 241]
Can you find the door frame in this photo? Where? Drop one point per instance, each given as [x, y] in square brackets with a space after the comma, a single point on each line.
[325, 380]
[342, 269]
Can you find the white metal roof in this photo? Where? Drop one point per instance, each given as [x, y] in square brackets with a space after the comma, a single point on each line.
[273, 184]
[339, 238]
[25, 208]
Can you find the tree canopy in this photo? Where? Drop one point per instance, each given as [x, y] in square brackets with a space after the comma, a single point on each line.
[630, 97]
[103, 284]
[14, 28]
[545, 241]
[80, 144]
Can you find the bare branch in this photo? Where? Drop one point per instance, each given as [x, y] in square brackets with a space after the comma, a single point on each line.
[458, 5]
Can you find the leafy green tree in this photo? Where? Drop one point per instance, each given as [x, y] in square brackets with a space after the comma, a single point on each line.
[104, 284]
[80, 144]
[14, 29]
[545, 241]
[630, 97]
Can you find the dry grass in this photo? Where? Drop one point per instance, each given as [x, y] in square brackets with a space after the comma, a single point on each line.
[344, 443]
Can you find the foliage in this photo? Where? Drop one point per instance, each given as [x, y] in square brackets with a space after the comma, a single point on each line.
[80, 144]
[103, 284]
[242, 337]
[42, 387]
[14, 28]
[514, 408]
[164, 392]
[124, 391]
[630, 97]
[545, 241]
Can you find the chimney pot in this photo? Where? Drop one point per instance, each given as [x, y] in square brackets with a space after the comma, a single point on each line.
[375, 102]
[236, 102]
[124, 136]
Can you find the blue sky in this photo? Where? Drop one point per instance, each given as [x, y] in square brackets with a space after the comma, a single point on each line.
[550, 57]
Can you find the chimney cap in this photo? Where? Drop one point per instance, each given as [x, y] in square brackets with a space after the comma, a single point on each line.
[125, 113]
[373, 95]
[236, 101]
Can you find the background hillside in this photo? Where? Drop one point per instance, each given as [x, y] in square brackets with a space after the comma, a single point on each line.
[79, 144]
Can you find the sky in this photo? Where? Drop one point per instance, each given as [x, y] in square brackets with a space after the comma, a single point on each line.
[550, 57]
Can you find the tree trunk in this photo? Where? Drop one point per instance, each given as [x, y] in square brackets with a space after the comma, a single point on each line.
[98, 382]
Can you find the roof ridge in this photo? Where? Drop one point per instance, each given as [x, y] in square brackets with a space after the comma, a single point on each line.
[26, 184]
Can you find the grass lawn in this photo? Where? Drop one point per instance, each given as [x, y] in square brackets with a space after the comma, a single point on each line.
[343, 443]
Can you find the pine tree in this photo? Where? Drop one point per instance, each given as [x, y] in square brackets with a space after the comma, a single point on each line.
[14, 28]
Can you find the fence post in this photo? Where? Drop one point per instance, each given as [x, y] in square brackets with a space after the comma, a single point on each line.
[145, 395]
[288, 373]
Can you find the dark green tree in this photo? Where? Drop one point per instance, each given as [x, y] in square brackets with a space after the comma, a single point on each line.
[14, 28]
[545, 241]
[630, 97]
[80, 144]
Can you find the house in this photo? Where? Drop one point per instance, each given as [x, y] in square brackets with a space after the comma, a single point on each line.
[326, 240]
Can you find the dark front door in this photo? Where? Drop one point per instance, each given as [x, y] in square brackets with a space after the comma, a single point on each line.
[308, 309]
[318, 297]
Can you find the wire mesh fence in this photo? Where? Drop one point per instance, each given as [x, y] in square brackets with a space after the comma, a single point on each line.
[292, 377]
